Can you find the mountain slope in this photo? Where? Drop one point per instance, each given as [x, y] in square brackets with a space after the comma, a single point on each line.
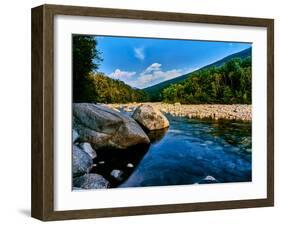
[109, 90]
[155, 90]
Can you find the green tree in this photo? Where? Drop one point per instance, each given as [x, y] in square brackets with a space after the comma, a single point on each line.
[85, 59]
[108, 90]
[228, 84]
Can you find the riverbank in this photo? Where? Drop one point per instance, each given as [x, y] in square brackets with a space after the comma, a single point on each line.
[203, 111]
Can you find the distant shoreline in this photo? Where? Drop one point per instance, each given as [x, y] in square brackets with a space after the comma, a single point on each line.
[241, 112]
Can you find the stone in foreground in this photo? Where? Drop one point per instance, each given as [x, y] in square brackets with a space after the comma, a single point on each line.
[150, 117]
[130, 165]
[106, 128]
[75, 136]
[81, 161]
[117, 174]
[208, 180]
[90, 181]
[89, 150]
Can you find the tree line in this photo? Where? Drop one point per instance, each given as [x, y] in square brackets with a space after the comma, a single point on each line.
[227, 84]
[108, 90]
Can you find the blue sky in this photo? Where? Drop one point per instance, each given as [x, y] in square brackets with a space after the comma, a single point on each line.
[143, 62]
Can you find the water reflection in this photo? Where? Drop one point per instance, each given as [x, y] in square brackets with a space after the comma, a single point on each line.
[196, 151]
[156, 135]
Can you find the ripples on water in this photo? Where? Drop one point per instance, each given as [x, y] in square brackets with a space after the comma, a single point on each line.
[191, 150]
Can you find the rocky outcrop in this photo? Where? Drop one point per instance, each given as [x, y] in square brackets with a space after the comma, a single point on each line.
[90, 181]
[150, 117]
[81, 161]
[106, 128]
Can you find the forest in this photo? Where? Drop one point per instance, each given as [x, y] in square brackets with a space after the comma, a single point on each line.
[108, 90]
[226, 84]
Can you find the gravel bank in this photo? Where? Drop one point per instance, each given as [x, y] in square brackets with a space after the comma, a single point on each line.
[213, 111]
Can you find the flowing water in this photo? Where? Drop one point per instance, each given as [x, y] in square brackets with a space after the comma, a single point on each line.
[195, 151]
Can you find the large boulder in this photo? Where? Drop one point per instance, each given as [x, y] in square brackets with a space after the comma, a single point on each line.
[150, 118]
[90, 181]
[81, 161]
[106, 128]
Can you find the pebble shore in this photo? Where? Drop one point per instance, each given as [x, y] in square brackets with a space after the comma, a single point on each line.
[203, 111]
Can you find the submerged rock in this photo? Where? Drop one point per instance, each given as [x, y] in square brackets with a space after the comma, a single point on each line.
[128, 109]
[150, 117]
[208, 180]
[81, 161]
[117, 174]
[130, 165]
[249, 150]
[106, 128]
[88, 149]
[246, 142]
[90, 181]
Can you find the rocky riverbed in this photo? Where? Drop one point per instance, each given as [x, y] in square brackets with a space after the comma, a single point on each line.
[108, 145]
[200, 111]
[109, 141]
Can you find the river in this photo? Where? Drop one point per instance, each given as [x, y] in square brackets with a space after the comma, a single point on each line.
[195, 151]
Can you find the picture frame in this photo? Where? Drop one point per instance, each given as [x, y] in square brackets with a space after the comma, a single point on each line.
[43, 108]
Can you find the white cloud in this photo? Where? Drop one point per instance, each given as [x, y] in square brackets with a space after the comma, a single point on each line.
[153, 67]
[153, 74]
[150, 76]
[139, 53]
[122, 75]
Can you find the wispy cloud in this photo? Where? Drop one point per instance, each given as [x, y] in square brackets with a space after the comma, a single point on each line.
[154, 74]
[153, 67]
[123, 75]
[139, 53]
[151, 75]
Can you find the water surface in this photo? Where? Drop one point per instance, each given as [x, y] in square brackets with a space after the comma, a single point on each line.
[195, 151]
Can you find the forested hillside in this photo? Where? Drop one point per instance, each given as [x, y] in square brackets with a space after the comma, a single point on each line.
[228, 84]
[108, 90]
[155, 92]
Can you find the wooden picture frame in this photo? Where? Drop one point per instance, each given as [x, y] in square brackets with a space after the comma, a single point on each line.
[43, 112]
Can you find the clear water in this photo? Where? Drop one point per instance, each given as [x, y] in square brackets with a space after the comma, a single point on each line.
[191, 150]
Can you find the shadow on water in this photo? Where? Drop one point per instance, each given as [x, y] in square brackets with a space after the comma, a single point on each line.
[156, 135]
[123, 160]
